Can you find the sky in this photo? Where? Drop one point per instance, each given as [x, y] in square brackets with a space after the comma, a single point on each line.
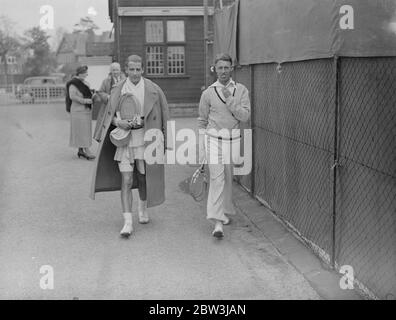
[26, 13]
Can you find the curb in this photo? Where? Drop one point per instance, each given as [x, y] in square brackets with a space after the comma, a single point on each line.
[320, 276]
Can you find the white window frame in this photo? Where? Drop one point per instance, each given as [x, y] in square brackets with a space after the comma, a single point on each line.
[166, 71]
[154, 66]
[177, 63]
[11, 60]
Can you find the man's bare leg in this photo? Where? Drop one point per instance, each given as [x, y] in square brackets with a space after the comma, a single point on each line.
[126, 203]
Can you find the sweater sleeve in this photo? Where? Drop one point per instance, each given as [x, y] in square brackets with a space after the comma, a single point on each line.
[203, 111]
[74, 94]
[103, 87]
[241, 109]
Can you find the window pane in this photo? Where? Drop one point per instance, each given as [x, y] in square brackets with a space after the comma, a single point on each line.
[154, 60]
[176, 60]
[11, 60]
[154, 31]
[35, 82]
[175, 31]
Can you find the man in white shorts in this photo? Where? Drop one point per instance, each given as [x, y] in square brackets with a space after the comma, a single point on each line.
[146, 103]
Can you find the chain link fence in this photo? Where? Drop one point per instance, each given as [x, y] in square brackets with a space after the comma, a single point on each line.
[366, 182]
[299, 132]
[244, 75]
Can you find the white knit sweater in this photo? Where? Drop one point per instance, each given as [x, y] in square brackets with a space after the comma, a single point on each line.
[215, 113]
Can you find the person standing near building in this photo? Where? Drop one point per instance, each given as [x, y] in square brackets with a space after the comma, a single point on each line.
[114, 77]
[111, 80]
[223, 105]
[80, 96]
[124, 168]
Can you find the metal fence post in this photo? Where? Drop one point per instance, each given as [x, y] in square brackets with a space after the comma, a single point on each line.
[48, 94]
[252, 107]
[206, 40]
[336, 156]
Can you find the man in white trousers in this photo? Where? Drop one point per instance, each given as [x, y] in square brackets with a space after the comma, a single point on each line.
[222, 107]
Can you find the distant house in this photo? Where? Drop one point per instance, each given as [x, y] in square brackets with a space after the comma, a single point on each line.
[15, 62]
[169, 36]
[71, 48]
[98, 57]
[87, 48]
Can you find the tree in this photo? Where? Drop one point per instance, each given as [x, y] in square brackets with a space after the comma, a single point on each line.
[8, 42]
[58, 37]
[42, 62]
[85, 25]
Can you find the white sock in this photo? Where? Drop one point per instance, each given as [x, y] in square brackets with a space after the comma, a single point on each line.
[142, 205]
[219, 225]
[127, 217]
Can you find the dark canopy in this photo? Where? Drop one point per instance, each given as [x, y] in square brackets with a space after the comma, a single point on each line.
[262, 31]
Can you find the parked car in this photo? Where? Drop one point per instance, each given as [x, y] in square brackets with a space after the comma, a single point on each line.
[59, 75]
[40, 88]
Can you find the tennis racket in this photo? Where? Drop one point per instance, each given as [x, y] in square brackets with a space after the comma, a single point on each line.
[130, 110]
[199, 183]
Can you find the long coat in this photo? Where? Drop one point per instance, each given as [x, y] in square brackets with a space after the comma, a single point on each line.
[102, 97]
[107, 85]
[106, 175]
[80, 120]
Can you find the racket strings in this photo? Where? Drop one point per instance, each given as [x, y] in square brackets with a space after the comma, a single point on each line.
[198, 184]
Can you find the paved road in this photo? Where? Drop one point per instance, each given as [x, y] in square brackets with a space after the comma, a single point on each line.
[46, 218]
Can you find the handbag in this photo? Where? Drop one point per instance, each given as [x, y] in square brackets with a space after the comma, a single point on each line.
[120, 137]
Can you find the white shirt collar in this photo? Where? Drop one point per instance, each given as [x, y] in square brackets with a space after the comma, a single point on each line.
[138, 85]
[230, 83]
[137, 89]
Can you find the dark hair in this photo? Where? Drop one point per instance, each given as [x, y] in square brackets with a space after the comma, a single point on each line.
[81, 69]
[223, 57]
[134, 58]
